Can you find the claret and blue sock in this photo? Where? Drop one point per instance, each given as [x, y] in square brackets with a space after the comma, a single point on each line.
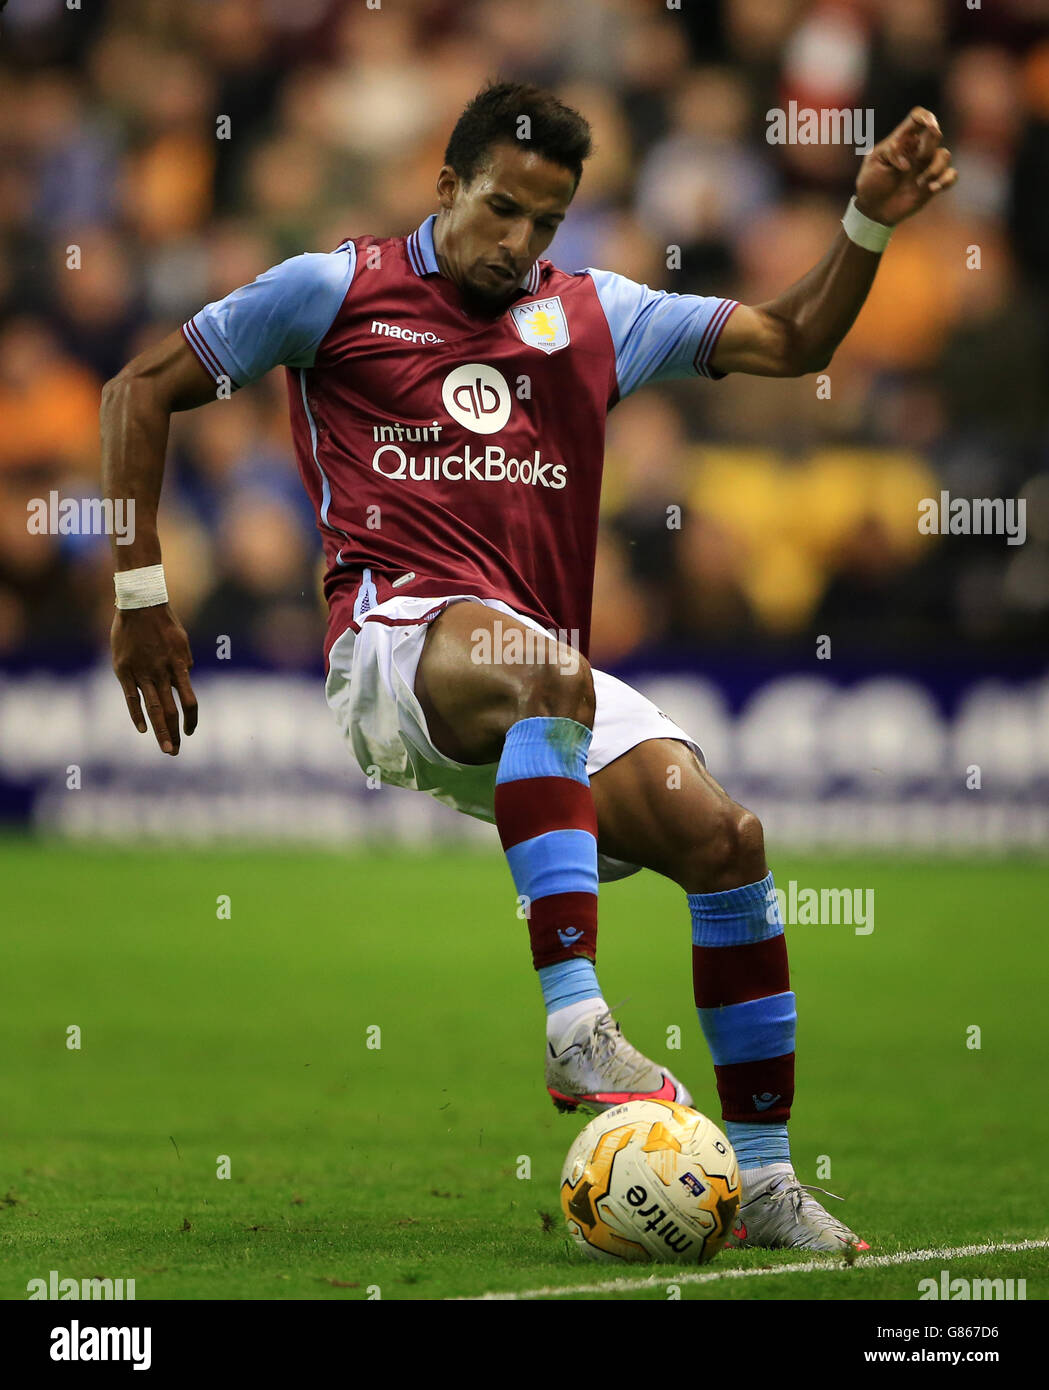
[746, 1009]
[544, 812]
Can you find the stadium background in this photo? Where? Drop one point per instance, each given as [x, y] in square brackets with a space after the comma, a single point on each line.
[225, 992]
[798, 514]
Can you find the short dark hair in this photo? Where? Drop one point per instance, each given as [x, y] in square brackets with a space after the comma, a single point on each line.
[493, 117]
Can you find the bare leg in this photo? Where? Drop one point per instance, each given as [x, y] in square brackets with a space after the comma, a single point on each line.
[470, 704]
[659, 807]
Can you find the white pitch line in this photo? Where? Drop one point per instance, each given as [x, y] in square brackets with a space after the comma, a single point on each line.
[903, 1257]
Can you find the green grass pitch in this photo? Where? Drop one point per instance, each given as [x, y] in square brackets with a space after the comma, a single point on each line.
[398, 1168]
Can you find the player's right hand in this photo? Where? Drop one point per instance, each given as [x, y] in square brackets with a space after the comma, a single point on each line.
[151, 654]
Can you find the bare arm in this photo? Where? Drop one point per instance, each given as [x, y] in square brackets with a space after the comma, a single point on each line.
[798, 331]
[150, 649]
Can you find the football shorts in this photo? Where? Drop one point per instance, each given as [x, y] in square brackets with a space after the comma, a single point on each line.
[371, 691]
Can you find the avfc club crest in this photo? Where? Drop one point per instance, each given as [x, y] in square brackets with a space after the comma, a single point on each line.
[542, 324]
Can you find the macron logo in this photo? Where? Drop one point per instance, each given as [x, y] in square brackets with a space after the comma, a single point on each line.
[407, 335]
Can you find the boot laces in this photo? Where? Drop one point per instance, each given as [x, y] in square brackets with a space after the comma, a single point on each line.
[607, 1034]
[797, 1193]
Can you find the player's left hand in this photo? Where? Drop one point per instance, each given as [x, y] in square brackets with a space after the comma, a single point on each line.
[901, 173]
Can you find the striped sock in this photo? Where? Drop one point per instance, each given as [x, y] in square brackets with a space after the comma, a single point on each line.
[570, 992]
[569, 983]
[746, 1010]
[756, 1146]
[544, 811]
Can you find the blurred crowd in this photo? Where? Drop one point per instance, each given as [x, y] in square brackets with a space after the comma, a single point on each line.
[740, 516]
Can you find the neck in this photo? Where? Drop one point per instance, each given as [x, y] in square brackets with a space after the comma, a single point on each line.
[438, 242]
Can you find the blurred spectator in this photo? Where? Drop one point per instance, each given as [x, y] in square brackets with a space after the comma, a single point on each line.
[94, 302]
[1028, 206]
[158, 155]
[48, 403]
[700, 185]
[265, 600]
[877, 600]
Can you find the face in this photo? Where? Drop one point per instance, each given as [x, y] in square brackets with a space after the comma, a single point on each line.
[491, 232]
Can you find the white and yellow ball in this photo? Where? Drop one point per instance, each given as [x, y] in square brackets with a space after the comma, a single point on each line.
[650, 1180]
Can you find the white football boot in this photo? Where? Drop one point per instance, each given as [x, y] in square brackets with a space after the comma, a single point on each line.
[776, 1211]
[593, 1067]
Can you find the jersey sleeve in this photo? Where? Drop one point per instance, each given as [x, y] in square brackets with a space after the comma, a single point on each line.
[659, 336]
[280, 319]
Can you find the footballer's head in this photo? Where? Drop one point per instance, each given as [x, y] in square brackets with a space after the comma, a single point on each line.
[511, 168]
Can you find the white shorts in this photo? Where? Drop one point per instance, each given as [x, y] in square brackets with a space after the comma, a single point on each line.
[371, 691]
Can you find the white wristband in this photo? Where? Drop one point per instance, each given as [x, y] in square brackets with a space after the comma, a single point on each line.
[872, 236]
[141, 588]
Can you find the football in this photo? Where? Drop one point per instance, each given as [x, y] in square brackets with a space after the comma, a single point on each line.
[650, 1180]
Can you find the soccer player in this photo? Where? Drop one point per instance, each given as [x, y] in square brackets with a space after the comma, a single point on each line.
[448, 393]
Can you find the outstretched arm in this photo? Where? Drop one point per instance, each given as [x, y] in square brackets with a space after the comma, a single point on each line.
[798, 331]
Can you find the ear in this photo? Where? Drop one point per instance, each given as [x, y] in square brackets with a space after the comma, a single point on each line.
[447, 185]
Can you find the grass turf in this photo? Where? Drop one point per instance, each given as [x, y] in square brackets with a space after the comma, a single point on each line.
[354, 1167]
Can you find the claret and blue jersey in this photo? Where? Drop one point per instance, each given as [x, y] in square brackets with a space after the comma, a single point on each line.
[461, 449]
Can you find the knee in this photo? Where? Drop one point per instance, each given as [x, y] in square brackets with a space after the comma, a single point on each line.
[559, 687]
[729, 855]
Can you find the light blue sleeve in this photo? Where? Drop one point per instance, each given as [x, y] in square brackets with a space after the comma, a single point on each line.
[280, 319]
[659, 336]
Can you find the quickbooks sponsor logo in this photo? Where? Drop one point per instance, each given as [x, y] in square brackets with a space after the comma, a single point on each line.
[491, 466]
[477, 397]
